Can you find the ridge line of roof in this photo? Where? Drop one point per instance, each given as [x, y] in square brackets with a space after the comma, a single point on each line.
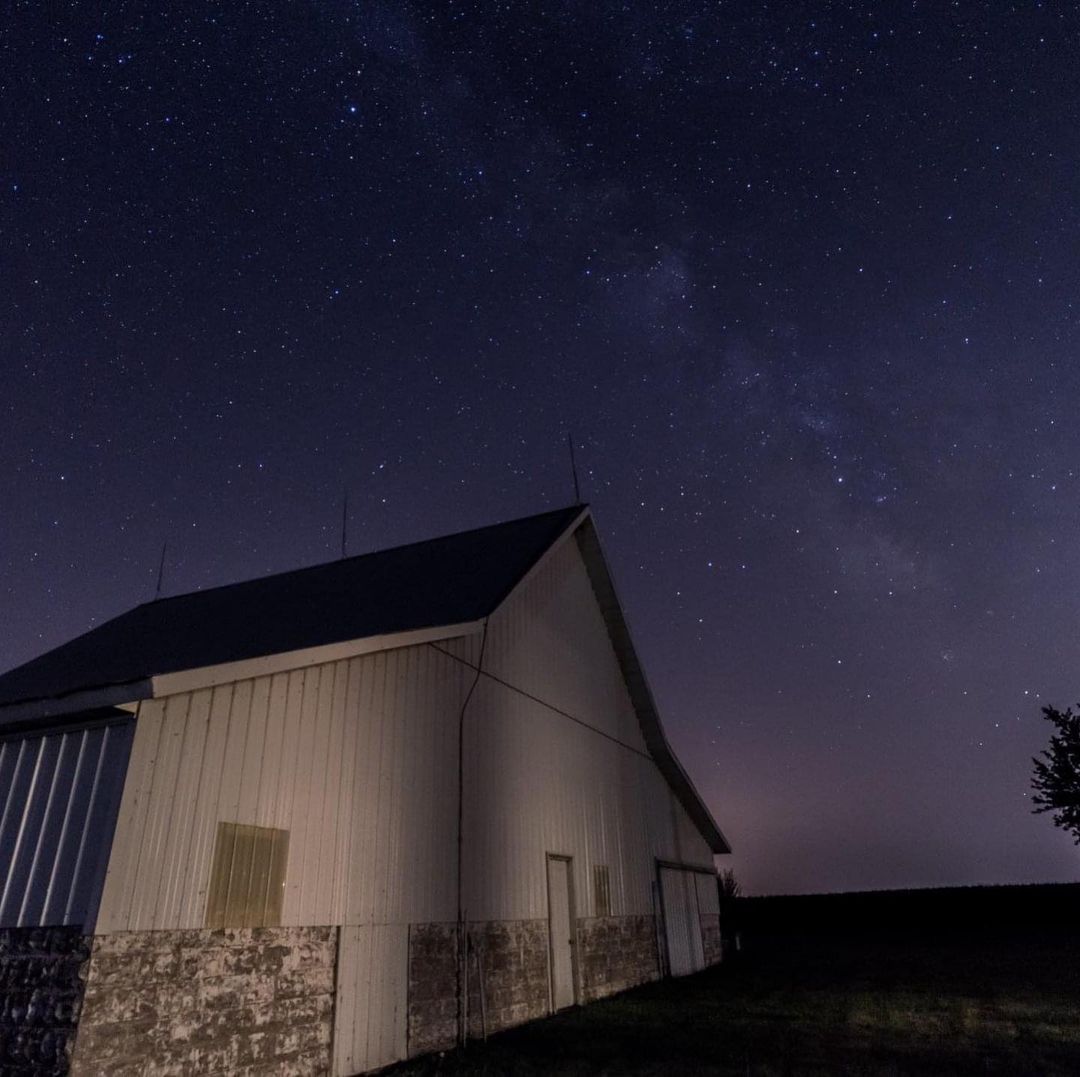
[355, 557]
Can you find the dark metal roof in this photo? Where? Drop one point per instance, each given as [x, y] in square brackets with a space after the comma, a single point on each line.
[444, 581]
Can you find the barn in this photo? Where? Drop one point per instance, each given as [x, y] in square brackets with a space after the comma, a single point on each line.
[321, 821]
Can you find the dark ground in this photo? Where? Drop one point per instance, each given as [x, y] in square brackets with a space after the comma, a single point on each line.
[972, 981]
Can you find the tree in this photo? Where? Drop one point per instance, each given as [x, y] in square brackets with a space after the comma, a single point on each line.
[729, 886]
[730, 892]
[1056, 780]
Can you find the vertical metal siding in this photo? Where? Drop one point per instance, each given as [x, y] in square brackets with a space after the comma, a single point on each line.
[708, 895]
[356, 759]
[371, 1007]
[682, 921]
[551, 641]
[58, 798]
[538, 781]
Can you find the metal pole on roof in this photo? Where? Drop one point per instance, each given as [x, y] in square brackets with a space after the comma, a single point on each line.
[573, 470]
[344, 521]
[161, 570]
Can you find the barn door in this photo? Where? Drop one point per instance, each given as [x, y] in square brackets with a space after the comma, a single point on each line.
[561, 932]
[682, 921]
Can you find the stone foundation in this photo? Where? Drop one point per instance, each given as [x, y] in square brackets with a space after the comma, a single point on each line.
[238, 1001]
[711, 940]
[616, 953]
[513, 955]
[261, 1000]
[41, 991]
[433, 1001]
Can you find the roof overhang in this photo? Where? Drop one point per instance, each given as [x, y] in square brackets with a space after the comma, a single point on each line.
[44, 711]
[189, 680]
[651, 727]
[15, 715]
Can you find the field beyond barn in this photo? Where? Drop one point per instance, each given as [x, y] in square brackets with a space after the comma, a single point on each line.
[961, 981]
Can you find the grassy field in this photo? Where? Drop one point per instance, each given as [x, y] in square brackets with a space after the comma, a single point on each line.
[823, 1003]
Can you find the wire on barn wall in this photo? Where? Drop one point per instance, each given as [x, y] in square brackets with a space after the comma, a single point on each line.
[462, 950]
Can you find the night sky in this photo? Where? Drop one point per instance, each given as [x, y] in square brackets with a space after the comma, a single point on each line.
[802, 280]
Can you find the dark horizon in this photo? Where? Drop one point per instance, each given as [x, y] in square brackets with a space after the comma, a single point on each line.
[802, 284]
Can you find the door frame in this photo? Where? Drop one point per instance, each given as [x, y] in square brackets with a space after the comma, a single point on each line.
[572, 907]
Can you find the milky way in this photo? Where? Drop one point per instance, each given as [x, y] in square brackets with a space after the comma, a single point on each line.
[800, 279]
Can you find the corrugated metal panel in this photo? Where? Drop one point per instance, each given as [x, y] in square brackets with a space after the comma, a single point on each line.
[537, 783]
[708, 895]
[58, 797]
[682, 921]
[551, 641]
[355, 759]
[371, 1007]
[557, 762]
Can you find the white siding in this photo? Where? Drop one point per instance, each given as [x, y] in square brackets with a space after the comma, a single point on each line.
[371, 1026]
[557, 763]
[58, 798]
[356, 759]
[551, 641]
[708, 895]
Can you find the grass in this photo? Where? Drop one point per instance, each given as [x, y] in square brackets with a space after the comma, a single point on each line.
[820, 1005]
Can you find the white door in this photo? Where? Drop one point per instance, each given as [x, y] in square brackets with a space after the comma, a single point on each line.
[561, 932]
[682, 922]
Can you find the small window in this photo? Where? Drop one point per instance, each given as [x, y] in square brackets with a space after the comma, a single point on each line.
[602, 889]
[247, 880]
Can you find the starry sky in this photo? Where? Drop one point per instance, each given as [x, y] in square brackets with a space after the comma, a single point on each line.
[802, 280]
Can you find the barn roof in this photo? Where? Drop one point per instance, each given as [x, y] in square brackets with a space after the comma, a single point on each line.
[447, 580]
[454, 580]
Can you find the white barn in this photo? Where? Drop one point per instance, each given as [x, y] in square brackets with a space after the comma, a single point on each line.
[330, 819]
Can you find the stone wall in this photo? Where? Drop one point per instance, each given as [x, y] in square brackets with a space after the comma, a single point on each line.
[41, 991]
[433, 1000]
[710, 938]
[238, 1001]
[513, 958]
[260, 1001]
[616, 953]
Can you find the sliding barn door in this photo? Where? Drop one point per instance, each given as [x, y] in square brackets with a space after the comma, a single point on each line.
[682, 921]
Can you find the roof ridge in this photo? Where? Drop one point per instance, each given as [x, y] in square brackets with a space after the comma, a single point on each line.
[445, 580]
[356, 557]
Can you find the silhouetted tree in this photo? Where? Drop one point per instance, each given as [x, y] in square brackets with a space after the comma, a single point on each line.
[729, 886]
[1056, 780]
[729, 892]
